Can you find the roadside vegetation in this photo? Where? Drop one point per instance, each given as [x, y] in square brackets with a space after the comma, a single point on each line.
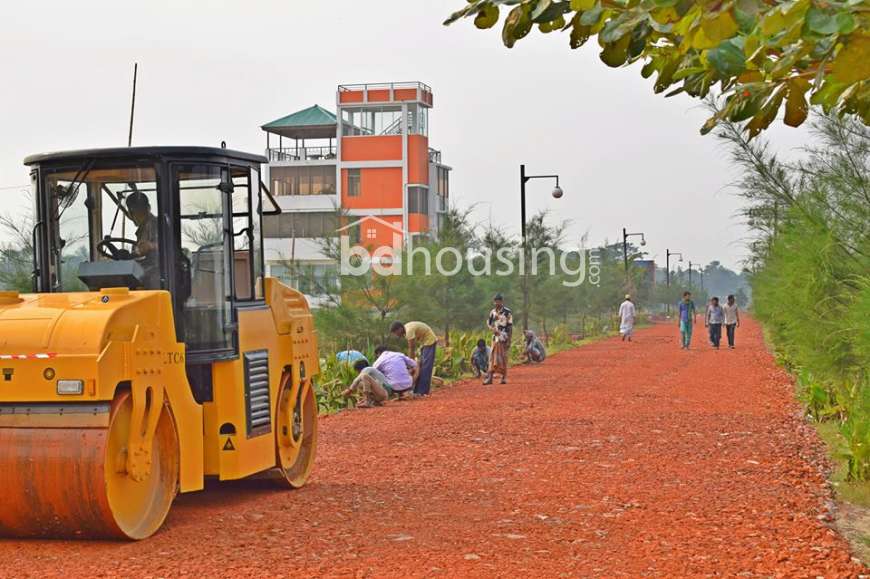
[810, 263]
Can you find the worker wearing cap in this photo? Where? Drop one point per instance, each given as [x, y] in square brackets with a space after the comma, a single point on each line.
[626, 318]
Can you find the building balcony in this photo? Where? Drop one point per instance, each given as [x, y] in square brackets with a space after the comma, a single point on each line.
[293, 154]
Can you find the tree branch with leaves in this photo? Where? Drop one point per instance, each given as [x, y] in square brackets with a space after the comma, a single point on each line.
[765, 55]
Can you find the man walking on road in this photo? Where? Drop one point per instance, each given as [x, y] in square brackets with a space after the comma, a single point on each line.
[732, 319]
[713, 320]
[687, 319]
[626, 318]
[419, 334]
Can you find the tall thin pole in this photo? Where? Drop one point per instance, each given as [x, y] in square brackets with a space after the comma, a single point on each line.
[132, 104]
[523, 231]
[668, 281]
[625, 249]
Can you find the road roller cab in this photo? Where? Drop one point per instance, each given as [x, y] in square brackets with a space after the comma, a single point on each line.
[153, 352]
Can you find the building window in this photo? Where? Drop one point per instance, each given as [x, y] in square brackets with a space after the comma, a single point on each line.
[313, 180]
[418, 200]
[353, 182]
[418, 120]
[311, 279]
[372, 120]
[443, 182]
[316, 224]
[371, 233]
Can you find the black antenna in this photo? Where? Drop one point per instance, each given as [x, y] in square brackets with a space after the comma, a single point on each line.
[132, 105]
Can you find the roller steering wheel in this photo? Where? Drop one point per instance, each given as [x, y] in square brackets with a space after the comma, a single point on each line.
[107, 248]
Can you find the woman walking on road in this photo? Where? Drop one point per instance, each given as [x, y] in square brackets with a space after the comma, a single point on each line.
[501, 324]
[732, 319]
[713, 319]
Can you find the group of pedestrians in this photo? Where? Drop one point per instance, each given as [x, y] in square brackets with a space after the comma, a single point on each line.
[715, 317]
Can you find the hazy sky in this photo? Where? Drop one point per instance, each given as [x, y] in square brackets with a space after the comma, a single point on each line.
[217, 70]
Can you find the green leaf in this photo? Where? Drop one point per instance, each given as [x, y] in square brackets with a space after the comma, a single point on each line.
[846, 23]
[591, 17]
[665, 3]
[547, 11]
[720, 28]
[822, 22]
[773, 23]
[579, 33]
[710, 124]
[582, 5]
[727, 58]
[618, 27]
[746, 15]
[852, 63]
[487, 17]
[616, 53]
[829, 94]
[745, 105]
[516, 26]
[638, 39]
[796, 107]
[767, 114]
[666, 76]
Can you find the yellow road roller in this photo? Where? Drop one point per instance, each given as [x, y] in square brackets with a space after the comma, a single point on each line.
[153, 351]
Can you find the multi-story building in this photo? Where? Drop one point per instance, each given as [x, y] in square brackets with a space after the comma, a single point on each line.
[369, 164]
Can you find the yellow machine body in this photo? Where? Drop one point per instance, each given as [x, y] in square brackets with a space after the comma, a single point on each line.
[135, 433]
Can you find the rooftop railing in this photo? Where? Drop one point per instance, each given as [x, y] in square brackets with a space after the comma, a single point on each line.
[384, 86]
[324, 153]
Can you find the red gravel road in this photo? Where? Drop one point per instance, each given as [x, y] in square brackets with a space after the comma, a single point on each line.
[611, 459]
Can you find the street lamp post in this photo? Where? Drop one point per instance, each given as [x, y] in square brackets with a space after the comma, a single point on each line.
[625, 236]
[557, 193]
[668, 254]
[690, 274]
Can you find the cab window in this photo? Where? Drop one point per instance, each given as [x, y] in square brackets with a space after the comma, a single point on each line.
[102, 214]
[247, 238]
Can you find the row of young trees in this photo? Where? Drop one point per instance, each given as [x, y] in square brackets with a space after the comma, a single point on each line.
[577, 288]
[810, 264]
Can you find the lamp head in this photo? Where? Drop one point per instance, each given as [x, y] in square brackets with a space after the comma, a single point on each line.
[557, 192]
[643, 241]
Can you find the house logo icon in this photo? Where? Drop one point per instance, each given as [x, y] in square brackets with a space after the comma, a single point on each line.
[383, 258]
[399, 234]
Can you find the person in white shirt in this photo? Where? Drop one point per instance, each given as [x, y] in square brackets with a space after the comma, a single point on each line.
[732, 319]
[626, 318]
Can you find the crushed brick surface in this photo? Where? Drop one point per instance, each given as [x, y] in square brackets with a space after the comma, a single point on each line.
[608, 460]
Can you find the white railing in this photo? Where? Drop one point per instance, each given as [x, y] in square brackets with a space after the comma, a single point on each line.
[302, 153]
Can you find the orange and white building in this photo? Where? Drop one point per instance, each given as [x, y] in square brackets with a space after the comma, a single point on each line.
[371, 158]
